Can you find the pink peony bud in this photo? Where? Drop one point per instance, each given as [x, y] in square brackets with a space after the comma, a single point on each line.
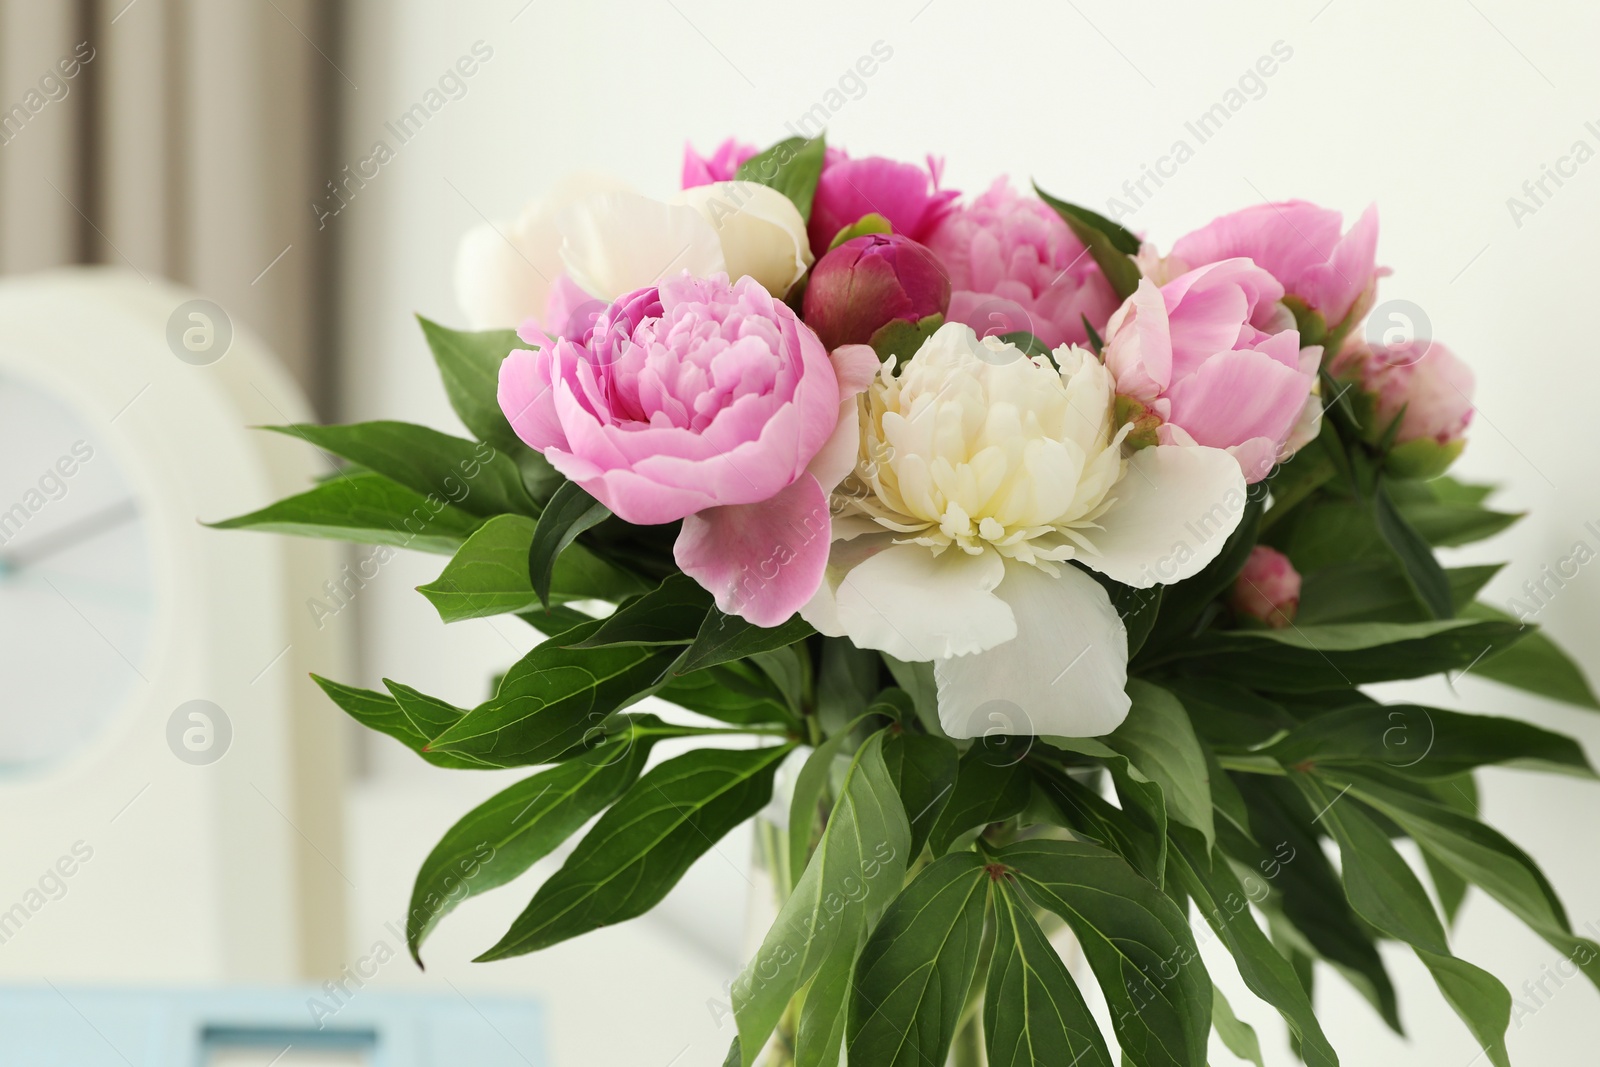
[1423, 385]
[869, 282]
[1268, 589]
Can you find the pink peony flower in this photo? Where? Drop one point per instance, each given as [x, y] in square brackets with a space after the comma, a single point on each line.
[1426, 387]
[1268, 589]
[1299, 244]
[1014, 265]
[711, 403]
[904, 193]
[1190, 360]
[720, 166]
[870, 281]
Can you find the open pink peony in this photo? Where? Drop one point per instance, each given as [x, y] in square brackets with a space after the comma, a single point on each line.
[1190, 355]
[1014, 265]
[711, 403]
[1299, 244]
[904, 193]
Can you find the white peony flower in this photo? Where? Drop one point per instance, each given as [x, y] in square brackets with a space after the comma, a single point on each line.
[982, 473]
[504, 271]
[614, 243]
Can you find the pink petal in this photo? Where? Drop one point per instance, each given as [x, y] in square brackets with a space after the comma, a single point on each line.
[527, 400]
[1333, 287]
[760, 561]
[1235, 396]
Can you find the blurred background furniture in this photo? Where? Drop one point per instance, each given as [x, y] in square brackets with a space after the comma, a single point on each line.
[281, 1027]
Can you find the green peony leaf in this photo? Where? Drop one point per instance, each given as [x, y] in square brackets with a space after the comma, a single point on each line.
[367, 508]
[670, 614]
[912, 978]
[792, 166]
[728, 637]
[1239, 1037]
[1308, 659]
[1480, 855]
[924, 771]
[554, 699]
[570, 512]
[383, 713]
[1422, 571]
[506, 834]
[1224, 903]
[1385, 892]
[642, 845]
[1425, 742]
[733, 692]
[1159, 740]
[1307, 890]
[488, 575]
[857, 868]
[469, 363]
[1136, 940]
[1032, 1010]
[990, 787]
[1535, 664]
[1375, 590]
[1112, 246]
[472, 475]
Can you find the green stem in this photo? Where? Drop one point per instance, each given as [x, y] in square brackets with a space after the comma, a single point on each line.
[1252, 765]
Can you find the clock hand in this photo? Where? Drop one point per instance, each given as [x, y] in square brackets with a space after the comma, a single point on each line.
[86, 528]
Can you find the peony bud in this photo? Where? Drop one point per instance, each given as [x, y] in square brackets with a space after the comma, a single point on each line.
[1422, 385]
[1268, 589]
[870, 281]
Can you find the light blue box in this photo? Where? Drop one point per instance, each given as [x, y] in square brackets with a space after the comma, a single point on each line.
[47, 1026]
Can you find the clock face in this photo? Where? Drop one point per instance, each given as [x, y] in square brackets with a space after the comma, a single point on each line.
[76, 595]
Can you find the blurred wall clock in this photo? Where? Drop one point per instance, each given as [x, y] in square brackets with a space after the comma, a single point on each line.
[169, 777]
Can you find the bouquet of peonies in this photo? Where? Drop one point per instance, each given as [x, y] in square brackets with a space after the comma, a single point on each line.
[1034, 574]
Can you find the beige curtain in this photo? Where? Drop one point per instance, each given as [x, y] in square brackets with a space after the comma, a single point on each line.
[184, 138]
[189, 138]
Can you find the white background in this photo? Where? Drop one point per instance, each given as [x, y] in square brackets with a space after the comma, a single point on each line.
[1439, 110]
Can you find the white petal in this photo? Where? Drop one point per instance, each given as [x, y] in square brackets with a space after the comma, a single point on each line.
[822, 610]
[504, 271]
[761, 231]
[1065, 674]
[1175, 507]
[917, 606]
[614, 243]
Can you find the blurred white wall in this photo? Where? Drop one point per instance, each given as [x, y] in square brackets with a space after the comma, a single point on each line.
[1438, 109]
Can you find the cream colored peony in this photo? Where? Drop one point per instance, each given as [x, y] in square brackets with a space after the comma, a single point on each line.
[614, 243]
[983, 476]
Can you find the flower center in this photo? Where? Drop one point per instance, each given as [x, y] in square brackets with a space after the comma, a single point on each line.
[978, 447]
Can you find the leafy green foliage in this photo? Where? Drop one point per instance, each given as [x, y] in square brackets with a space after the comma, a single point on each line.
[989, 788]
[469, 364]
[1032, 1010]
[857, 868]
[488, 575]
[570, 512]
[912, 978]
[1137, 942]
[368, 508]
[554, 699]
[722, 638]
[471, 475]
[385, 714]
[644, 843]
[506, 834]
